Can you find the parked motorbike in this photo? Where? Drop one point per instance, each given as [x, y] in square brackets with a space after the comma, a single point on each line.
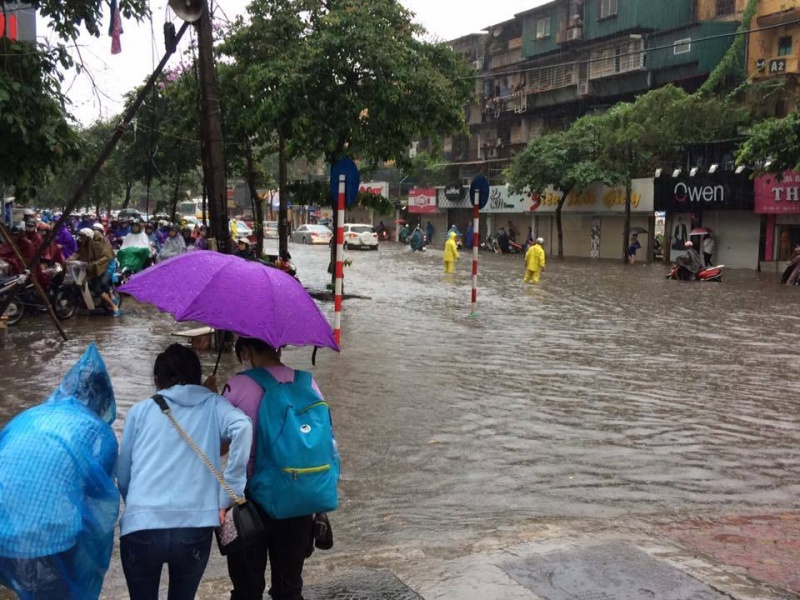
[705, 274]
[489, 244]
[75, 292]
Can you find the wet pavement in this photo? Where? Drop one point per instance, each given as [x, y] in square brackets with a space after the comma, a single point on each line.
[606, 394]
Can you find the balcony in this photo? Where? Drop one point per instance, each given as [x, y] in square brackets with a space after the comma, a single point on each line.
[772, 15]
[775, 66]
[504, 59]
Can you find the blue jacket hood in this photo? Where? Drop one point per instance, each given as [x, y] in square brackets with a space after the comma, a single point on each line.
[187, 395]
[88, 382]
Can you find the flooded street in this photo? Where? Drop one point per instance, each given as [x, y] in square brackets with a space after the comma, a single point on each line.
[605, 391]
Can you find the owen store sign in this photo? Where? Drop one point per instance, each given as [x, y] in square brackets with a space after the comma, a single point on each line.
[719, 191]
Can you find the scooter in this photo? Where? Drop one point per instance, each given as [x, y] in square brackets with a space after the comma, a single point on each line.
[13, 285]
[75, 292]
[26, 298]
[705, 274]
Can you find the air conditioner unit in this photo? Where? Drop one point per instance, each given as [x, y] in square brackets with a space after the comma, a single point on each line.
[477, 65]
[583, 88]
[576, 33]
[540, 36]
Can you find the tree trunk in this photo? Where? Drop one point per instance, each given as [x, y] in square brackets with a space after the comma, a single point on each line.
[258, 213]
[283, 224]
[128, 186]
[212, 130]
[175, 193]
[626, 229]
[559, 226]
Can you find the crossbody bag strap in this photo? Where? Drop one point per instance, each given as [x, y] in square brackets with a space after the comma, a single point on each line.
[162, 404]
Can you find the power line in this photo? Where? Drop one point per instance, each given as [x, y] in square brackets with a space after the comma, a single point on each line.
[589, 61]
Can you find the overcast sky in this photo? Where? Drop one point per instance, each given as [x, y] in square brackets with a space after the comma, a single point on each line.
[113, 76]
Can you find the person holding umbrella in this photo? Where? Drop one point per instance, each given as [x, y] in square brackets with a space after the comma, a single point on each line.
[287, 539]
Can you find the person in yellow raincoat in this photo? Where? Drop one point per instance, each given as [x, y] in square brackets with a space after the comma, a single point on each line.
[534, 261]
[450, 253]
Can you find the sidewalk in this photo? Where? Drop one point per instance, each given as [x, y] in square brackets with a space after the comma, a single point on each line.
[731, 557]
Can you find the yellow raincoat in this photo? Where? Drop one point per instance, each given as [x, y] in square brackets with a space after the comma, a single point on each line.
[450, 253]
[534, 263]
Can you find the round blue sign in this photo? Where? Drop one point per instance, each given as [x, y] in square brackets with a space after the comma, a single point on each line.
[348, 168]
[479, 185]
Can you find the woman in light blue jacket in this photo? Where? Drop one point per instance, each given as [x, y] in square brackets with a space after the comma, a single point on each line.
[172, 500]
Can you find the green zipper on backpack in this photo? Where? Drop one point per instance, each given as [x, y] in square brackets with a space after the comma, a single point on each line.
[310, 406]
[306, 471]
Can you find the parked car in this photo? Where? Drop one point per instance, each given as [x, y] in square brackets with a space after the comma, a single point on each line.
[242, 230]
[360, 235]
[271, 230]
[312, 234]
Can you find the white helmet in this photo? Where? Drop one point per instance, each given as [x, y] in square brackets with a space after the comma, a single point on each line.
[98, 227]
[540, 240]
[688, 245]
[86, 231]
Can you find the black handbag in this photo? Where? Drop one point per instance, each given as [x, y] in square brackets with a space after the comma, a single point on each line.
[243, 526]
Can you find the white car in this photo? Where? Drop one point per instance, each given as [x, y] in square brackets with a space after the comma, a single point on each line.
[271, 230]
[360, 235]
[312, 234]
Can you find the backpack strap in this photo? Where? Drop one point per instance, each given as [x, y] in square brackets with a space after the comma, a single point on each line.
[265, 379]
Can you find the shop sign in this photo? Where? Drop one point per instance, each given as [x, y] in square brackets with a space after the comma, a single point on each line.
[778, 197]
[501, 201]
[596, 199]
[378, 188]
[723, 191]
[454, 192]
[443, 202]
[422, 200]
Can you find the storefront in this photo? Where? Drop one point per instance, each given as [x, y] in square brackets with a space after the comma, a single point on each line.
[779, 201]
[593, 220]
[454, 208]
[722, 203]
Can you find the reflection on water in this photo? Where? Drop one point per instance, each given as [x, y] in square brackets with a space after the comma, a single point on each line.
[604, 391]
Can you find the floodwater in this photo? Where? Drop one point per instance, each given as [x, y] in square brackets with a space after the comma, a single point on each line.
[604, 392]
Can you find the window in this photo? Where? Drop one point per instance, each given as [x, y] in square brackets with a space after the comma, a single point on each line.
[543, 28]
[608, 8]
[619, 58]
[682, 46]
[725, 7]
[785, 46]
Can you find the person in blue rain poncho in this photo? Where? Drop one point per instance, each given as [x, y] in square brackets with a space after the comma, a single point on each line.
[58, 501]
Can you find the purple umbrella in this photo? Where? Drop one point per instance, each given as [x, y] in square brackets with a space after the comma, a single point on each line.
[230, 293]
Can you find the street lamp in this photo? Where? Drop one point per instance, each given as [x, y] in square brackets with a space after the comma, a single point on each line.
[713, 168]
[677, 172]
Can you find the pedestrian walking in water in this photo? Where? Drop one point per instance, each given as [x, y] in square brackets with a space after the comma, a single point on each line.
[450, 253]
[286, 541]
[58, 501]
[429, 232]
[633, 247]
[534, 262]
[172, 500]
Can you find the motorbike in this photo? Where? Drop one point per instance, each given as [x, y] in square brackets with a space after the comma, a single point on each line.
[27, 299]
[75, 292]
[705, 274]
[383, 235]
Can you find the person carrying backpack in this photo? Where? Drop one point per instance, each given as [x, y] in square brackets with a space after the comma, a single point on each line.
[292, 473]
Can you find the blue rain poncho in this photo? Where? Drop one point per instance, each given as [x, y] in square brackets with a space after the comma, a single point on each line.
[58, 501]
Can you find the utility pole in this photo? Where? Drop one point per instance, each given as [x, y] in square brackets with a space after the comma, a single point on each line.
[214, 166]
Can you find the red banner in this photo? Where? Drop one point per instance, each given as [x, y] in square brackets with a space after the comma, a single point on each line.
[11, 32]
[778, 197]
[422, 200]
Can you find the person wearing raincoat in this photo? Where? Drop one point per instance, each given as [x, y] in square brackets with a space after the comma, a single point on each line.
[450, 253]
[173, 245]
[58, 501]
[418, 239]
[136, 249]
[534, 262]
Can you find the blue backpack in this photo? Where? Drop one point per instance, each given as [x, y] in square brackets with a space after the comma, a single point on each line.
[296, 464]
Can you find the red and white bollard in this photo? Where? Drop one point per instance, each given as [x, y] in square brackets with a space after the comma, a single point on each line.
[476, 242]
[337, 291]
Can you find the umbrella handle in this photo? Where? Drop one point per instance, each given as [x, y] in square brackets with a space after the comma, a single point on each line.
[219, 354]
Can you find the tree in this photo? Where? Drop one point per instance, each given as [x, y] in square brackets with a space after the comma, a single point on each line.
[35, 134]
[773, 146]
[347, 77]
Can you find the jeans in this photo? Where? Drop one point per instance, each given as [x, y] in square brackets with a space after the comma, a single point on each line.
[284, 547]
[185, 551]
